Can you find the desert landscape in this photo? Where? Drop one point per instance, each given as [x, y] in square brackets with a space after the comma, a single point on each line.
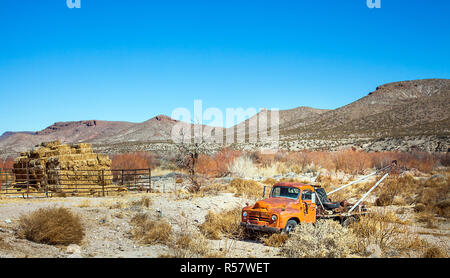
[254, 132]
[197, 215]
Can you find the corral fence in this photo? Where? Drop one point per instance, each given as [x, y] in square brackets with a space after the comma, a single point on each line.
[29, 183]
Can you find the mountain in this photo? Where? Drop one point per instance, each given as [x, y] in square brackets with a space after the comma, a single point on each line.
[418, 107]
[66, 132]
[400, 115]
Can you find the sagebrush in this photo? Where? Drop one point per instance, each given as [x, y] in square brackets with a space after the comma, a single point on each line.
[54, 226]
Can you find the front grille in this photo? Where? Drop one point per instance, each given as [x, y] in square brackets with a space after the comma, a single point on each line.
[258, 217]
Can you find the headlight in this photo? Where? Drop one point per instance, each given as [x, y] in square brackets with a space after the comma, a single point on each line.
[274, 218]
[244, 214]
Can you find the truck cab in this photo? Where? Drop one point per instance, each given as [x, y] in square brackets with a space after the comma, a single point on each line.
[288, 205]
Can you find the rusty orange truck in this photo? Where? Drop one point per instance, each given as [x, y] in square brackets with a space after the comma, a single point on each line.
[290, 204]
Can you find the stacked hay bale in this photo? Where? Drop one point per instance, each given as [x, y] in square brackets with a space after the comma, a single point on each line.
[73, 168]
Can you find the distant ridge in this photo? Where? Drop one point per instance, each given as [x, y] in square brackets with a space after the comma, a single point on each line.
[407, 109]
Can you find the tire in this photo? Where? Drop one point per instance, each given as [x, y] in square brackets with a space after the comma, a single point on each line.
[290, 226]
[349, 220]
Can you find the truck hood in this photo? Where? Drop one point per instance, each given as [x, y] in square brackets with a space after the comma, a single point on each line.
[273, 203]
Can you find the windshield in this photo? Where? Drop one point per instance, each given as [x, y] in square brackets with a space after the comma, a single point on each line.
[285, 192]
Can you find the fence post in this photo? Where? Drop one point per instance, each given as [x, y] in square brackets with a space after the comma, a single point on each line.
[134, 179]
[46, 183]
[122, 177]
[103, 183]
[149, 180]
[28, 183]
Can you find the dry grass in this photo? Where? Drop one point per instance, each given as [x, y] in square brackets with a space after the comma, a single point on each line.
[270, 181]
[275, 240]
[54, 226]
[246, 188]
[434, 252]
[162, 172]
[352, 161]
[434, 195]
[426, 218]
[387, 231]
[324, 239]
[114, 204]
[4, 246]
[148, 231]
[188, 243]
[191, 245]
[243, 167]
[84, 203]
[144, 201]
[223, 224]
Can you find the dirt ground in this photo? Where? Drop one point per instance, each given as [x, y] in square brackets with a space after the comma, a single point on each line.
[106, 221]
[107, 225]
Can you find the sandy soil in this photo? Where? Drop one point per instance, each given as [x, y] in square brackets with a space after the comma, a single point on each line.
[107, 226]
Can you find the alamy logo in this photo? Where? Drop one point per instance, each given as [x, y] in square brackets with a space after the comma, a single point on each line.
[73, 4]
[255, 130]
[374, 4]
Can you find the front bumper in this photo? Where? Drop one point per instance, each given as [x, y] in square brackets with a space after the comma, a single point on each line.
[262, 228]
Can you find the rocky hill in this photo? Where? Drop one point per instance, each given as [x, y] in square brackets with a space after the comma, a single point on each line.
[402, 115]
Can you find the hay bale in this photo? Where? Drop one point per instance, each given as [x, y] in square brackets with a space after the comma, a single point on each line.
[62, 166]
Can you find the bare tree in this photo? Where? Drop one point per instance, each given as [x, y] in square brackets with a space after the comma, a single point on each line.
[188, 156]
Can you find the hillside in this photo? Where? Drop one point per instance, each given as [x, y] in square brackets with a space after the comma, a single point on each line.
[402, 115]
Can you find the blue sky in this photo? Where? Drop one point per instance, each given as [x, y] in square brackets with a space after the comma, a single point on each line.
[132, 60]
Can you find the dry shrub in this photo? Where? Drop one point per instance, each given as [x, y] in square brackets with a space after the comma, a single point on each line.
[84, 204]
[275, 240]
[306, 161]
[324, 239]
[434, 252]
[54, 226]
[6, 163]
[272, 170]
[6, 175]
[294, 180]
[191, 245]
[442, 208]
[263, 159]
[247, 188]
[353, 161]
[4, 245]
[143, 202]
[384, 199]
[384, 229]
[218, 164]
[114, 204]
[394, 186]
[148, 231]
[434, 195]
[427, 218]
[136, 160]
[223, 224]
[243, 167]
[211, 189]
[419, 207]
[270, 181]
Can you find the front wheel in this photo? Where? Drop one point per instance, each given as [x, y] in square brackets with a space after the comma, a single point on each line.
[290, 226]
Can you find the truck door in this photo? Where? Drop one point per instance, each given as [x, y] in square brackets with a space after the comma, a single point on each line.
[308, 206]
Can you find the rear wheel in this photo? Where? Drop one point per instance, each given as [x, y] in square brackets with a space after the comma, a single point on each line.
[290, 226]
